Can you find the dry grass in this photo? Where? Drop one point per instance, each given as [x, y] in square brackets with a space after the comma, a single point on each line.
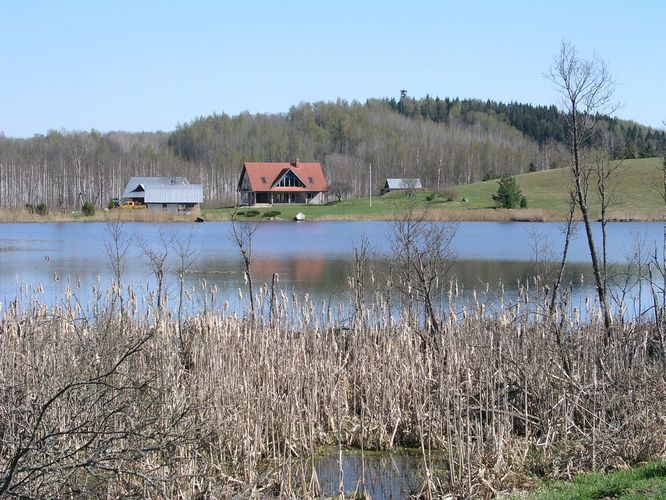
[21, 215]
[222, 405]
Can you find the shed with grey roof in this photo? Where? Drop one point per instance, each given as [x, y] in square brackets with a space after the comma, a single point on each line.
[166, 194]
[401, 185]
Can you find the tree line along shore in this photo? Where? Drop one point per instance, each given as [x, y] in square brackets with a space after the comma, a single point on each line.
[635, 197]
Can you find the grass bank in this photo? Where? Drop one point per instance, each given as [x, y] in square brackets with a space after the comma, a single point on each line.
[642, 482]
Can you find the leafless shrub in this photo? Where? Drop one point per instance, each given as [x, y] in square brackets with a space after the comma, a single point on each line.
[449, 193]
[424, 256]
[242, 234]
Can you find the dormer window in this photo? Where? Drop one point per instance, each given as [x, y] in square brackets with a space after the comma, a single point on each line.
[263, 180]
[310, 180]
[290, 179]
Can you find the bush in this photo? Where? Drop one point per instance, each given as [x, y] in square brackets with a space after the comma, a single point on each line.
[271, 213]
[42, 209]
[30, 208]
[449, 194]
[247, 213]
[508, 193]
[523, 202]
[88, 209]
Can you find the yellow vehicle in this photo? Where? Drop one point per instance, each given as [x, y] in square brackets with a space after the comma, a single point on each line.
[132, 204]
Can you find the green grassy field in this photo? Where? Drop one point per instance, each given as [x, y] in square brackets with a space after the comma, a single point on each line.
[636, 190]
[648, 481]
[635, 187]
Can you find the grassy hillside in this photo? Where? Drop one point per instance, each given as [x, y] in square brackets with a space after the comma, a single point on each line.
[635, 187]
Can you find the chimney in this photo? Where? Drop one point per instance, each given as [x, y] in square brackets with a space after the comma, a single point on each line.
[295, 163]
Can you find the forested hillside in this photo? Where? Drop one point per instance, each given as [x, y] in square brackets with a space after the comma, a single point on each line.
[444, 142]
[624, 139]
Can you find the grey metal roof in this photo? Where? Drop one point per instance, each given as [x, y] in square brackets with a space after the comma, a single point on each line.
[137, 185]
[403, 184]
[184, 193]
[163, 190]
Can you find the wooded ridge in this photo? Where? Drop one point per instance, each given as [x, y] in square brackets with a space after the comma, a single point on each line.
[444, 142]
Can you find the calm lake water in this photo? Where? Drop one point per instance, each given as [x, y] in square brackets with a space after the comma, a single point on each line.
[310, 257]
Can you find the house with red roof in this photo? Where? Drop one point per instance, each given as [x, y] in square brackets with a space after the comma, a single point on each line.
[273, 183]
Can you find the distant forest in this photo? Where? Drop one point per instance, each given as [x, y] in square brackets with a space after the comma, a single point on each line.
[445, 142]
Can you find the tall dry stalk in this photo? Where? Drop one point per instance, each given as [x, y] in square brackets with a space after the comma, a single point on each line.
[107, 408]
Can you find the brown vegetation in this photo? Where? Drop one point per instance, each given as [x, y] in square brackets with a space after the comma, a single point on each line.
[99, 402]
[23, 215]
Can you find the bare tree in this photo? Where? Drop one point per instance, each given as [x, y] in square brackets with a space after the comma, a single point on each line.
[185, 255]
[568, 232]
[657, 275]
[339, 189]
[605, 172]
[116, 250]
[362, 253]
[586, 89]
[424, 256]
[242, 235]
[89, 423]
[157, 261]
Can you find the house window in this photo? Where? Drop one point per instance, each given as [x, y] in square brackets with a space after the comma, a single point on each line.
[263, 180]
[290, 179]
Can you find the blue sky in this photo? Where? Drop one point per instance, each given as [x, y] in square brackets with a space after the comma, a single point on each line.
[149, 65]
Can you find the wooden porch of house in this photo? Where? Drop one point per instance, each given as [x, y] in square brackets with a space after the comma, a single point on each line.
[276, 198]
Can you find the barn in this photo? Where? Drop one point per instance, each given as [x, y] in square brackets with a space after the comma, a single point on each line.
[165, 194]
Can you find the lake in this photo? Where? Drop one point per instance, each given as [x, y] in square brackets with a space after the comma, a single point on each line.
[309, 257]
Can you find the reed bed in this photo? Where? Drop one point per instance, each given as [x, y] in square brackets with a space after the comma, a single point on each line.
[21, 215]
[120, 398]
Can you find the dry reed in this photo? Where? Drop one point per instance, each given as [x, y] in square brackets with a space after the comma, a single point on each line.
[241, 407]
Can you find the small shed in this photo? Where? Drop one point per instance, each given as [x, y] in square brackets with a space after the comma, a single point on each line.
[392, 185]
[165, 194]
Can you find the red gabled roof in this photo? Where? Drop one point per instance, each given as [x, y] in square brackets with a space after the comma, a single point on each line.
[311, 174]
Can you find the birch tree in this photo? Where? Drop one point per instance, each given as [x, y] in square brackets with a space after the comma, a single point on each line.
[586, 89]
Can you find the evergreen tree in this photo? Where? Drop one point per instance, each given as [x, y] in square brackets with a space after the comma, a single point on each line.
[508, 193]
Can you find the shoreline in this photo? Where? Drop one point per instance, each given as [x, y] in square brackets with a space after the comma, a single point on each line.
[20, 216]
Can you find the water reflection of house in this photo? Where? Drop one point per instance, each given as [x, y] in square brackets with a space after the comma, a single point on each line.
[295, 269]
[273, 183]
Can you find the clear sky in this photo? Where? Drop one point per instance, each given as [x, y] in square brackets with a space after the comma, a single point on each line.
[141, 65]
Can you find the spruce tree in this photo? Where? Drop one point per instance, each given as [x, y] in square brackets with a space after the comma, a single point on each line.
[508, 193]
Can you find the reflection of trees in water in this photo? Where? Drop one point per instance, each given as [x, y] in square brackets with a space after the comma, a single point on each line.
[386, 474]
